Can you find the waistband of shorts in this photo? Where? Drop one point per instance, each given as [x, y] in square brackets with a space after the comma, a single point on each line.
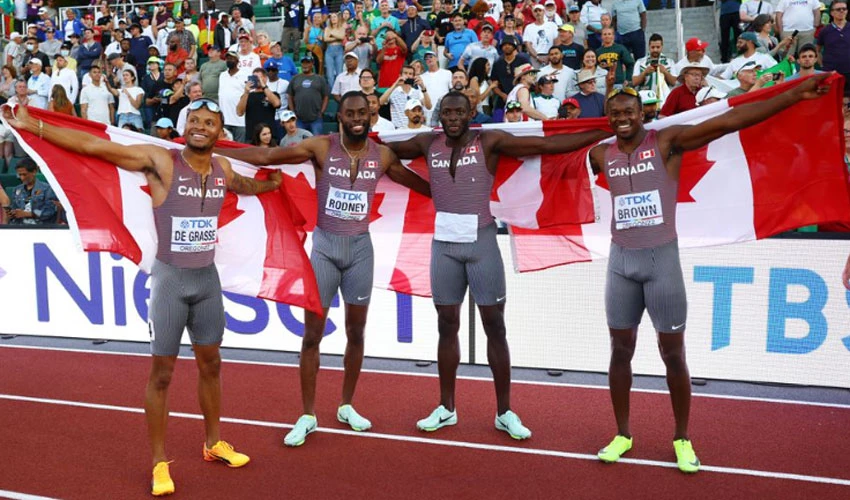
[176, 269]
[674, 243]
[341, 237]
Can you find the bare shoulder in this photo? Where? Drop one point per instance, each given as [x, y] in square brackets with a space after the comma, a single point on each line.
[158, 158]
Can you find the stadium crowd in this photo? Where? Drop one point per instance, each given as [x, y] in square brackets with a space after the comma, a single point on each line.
[553, 59]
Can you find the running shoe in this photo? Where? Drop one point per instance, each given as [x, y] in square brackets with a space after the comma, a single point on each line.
[347, 415]
[438, 418]
[161, 484]
[305, 425]
[685, 456]
[615, 449]
[510, 423]
[223, 451]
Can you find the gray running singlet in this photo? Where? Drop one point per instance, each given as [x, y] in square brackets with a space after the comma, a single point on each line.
[643, 195]
[344, 206]
[187, 222]
[468, 192]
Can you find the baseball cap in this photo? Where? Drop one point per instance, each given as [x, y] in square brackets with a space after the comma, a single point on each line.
[232, 51]
[707, 93]
[648, 97]
[42, 10]
[352, 54]
[574, 8]
[510, 40]
[88, 16]
[35, 61]
[428, 32]
[511, 105]
[538, 7]
[749, 36]
[567, 27]
[154, 59]
[546, 79]
[14, 35]
[164, 123]
[307, 57]
[114, 55]
[695, 44]
[412, 104]
[522, 70]
[243, 36]
[571, 101]
[50, 30]
[748, 66]
[136, 25]
[286, 116]
[429, 53]
[549, 2]
[487, 26]
[122, 20]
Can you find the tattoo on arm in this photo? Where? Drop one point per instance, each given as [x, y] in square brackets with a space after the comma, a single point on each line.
[244, 185]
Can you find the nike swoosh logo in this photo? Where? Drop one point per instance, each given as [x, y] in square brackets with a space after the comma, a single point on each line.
[363, 298]
[184, 179]
[612, 162]
[446, 419]
[695, 463]
[676, 327]
[501, 298]
[436, 153]
[334, 159]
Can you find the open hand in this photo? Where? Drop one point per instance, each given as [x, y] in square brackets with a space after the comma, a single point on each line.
[18, 118]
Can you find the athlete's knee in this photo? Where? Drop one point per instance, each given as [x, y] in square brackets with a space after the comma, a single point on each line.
[209, 367]
[673, 357]
[493, 321]
[622, 349]
[160, 377]
[448, 320]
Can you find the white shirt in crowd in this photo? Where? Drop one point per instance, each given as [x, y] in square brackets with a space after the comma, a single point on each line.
[760, 58]
[438, 83]
[540, 37]
[124, 105]
[382, 125]
[280, 86]
[752, 8]
[547, 105]
[248, 63]
[346, 82]
[398, 99]
[230, 89]
[42, 86]
[566, 84]
[67, 78]
[98, 100]
[496, 9]
[797, 14]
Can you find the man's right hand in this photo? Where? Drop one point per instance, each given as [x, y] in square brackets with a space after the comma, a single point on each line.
[812, 88]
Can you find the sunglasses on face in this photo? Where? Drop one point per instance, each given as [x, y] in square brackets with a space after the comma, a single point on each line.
[208, 103]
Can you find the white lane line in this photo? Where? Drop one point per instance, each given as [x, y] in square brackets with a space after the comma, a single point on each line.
[840, 406]
[14, 495]
[449, 443]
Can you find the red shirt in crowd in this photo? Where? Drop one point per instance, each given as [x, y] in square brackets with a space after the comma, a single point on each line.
[391, 67]
[177, 58]
[680, 99]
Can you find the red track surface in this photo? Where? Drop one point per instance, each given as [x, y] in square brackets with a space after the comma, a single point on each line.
[72, 452]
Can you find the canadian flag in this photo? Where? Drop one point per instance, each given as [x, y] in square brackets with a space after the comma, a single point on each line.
[783, 173]
[219, 182]
[645, 155]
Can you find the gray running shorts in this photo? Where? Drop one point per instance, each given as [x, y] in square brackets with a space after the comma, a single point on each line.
[344, 263]
[184, 299]
[646, 278]
[454, 266]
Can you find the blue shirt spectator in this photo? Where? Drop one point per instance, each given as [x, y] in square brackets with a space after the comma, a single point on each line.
[456, 42]
[33, 196]
[285, 67]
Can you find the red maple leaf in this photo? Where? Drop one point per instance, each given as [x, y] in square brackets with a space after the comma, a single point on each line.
[375, 214]
[508, 165]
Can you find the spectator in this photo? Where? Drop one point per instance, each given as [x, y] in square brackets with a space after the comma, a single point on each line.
[7, 83]
[279, 86]
[363, 45]
[368, 82]
[381, 24]
[32, 51]
[248, 60]
[21, 95]
[513, 112]
[550, 13]
[479, 18]
[348, 81]
[38, 84]
[544, 99]
[32, 201]
[258, 102]
[413, 26]
[333, 37]
[480, 84]
[443, 21]
[283, 63]
[424, 44]
[591, 18]
[613, 55]
[405, 88]
[13, 53]
[415, 115]
[457, 40]
[524, 78]
[807, 58]
[579, 29]
[747, 48]
[50, 46]
[391, 59]
[240, 25]
[503, 72]
[748, 79]
[683, 97]
[89, 52]
[762, 26]
[589, 63]
[591, 102]
[834, 47]
[797, 16]
[222, 36]
[313, 42]
[245, 9]
[115, 45]
[96, 103]
[184, 38]
[481, 49]
[117, 67]
[438, 81]
[139, 47]
[695, 49]
[190, 71]
[377, 123]
[650, 105]
[308, 96]
[564, 76]
[262, 137]
[292, 12]
[538, 37]
[571, 52]
[708, 95]
[294, 135]
[263, 48]
[231, 85]
[648, 69]
[751, 9]
[730, 21]
[130, 97]
[570, 109]
[152, 83]
[164, 129]
[71, 24]
[629, 17]
[59, 102]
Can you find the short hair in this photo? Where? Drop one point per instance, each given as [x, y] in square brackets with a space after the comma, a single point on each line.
[555, 47]
[407, 66]
[810, 47]
[460, 70]
[27, 164]
[460, 95]
[193, 84]
[457, 13]
[367, 70]
[132, 73]
[760, 21]
[170, 64]
[352, 94]
[655, 37]
[609, 28]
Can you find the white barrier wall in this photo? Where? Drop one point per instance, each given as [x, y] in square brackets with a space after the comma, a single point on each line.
[772, 310]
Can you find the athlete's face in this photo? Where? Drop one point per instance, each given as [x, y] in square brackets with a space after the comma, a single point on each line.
[203, 128]
[455, 114]
[625, 115]
[354, 117]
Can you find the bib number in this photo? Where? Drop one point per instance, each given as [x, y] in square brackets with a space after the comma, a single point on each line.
[456, 228]
[638, 210]
[347, 205]
[193, 234]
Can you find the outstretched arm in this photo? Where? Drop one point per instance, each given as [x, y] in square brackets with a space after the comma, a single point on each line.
[412, 148]
[687, 138]
[402, 175]
[507, 144]
[245, 185]
[135, 158]
[293, 155]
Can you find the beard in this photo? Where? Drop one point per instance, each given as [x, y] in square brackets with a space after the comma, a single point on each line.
[356, 137]
[458, 87]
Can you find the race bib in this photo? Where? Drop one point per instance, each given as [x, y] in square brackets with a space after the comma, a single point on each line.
[638, 210]
[293, 14]
[347, 205]
[193, 234]
[456, 228]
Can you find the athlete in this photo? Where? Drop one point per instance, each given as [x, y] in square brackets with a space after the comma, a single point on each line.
[644, 272]
[348, 166]
[462, 163]
[187, 190]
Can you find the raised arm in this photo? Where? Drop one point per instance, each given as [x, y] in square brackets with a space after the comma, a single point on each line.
[246, 185]
[402, 175]
[690, 137]
[135, 158]
[412, 148]
[507, 144]
[293, 155]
